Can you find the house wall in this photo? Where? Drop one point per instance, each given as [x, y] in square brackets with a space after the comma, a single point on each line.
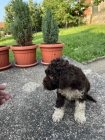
[88, 13]
[101, 6]
[92, 10]
[1, 24]
[89, 10]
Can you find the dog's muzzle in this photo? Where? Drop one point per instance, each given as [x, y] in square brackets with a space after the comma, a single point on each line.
[49, 84]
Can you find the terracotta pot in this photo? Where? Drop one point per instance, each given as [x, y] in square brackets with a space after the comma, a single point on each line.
[50, 52]
[4, 57]
[25, 56]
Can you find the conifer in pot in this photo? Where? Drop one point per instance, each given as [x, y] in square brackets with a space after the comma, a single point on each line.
[21, 29]
[50, 49]
[50, 28]
[21, 26]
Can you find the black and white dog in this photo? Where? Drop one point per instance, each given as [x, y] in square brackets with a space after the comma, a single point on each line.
[72, 84]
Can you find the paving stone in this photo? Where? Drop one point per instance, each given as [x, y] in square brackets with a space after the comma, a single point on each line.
[98, 66]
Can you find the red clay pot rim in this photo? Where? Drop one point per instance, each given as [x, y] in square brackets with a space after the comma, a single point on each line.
[16, 47]
[2, 68]
[3, 48]
[24, 66]
[51, 45]
[44, 63]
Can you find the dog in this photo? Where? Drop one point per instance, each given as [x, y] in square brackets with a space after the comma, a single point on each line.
[72, 84]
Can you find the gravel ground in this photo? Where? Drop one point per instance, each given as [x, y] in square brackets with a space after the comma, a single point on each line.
[28, 114]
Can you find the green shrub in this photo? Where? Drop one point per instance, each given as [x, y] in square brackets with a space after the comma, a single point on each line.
[21, 25]
[49, 28]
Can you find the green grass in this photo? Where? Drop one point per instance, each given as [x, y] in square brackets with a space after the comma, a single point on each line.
[81, 43]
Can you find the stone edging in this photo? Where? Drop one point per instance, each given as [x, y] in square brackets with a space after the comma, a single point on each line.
[93, 60]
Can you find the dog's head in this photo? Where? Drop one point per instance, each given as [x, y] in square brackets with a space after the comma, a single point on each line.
[54, 72]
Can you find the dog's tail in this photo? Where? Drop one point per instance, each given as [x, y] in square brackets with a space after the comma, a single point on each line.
[88, 97]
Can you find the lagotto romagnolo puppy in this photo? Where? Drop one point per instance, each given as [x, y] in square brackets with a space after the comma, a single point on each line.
[71, 83]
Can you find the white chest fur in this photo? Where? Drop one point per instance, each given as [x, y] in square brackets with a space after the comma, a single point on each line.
[70, 94]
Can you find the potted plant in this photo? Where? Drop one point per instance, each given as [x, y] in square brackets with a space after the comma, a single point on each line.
[50, 49]
[4, 57]
[21, 29]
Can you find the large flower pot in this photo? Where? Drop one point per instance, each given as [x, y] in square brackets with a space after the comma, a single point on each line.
[4, 57]
[50, 52]
[25, 56]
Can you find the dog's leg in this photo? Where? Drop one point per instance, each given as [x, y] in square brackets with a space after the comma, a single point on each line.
[59, 108]
[79, 114]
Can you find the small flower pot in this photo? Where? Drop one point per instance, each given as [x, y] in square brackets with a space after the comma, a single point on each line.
[25, 56]
[50, 52]
[4, 57]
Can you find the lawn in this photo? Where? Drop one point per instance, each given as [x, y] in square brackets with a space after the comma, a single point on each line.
[81, 43]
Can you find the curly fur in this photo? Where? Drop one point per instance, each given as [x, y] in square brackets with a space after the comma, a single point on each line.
[70, 82]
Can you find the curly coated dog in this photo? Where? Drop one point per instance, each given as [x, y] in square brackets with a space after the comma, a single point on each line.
[71, 83]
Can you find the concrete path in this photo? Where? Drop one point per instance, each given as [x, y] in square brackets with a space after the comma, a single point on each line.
[97, 66]
[28, 114]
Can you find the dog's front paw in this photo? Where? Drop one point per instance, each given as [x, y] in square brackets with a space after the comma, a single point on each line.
[58, 114]
[80, 118]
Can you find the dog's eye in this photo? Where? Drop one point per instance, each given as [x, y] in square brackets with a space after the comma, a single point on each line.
[51, 77]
